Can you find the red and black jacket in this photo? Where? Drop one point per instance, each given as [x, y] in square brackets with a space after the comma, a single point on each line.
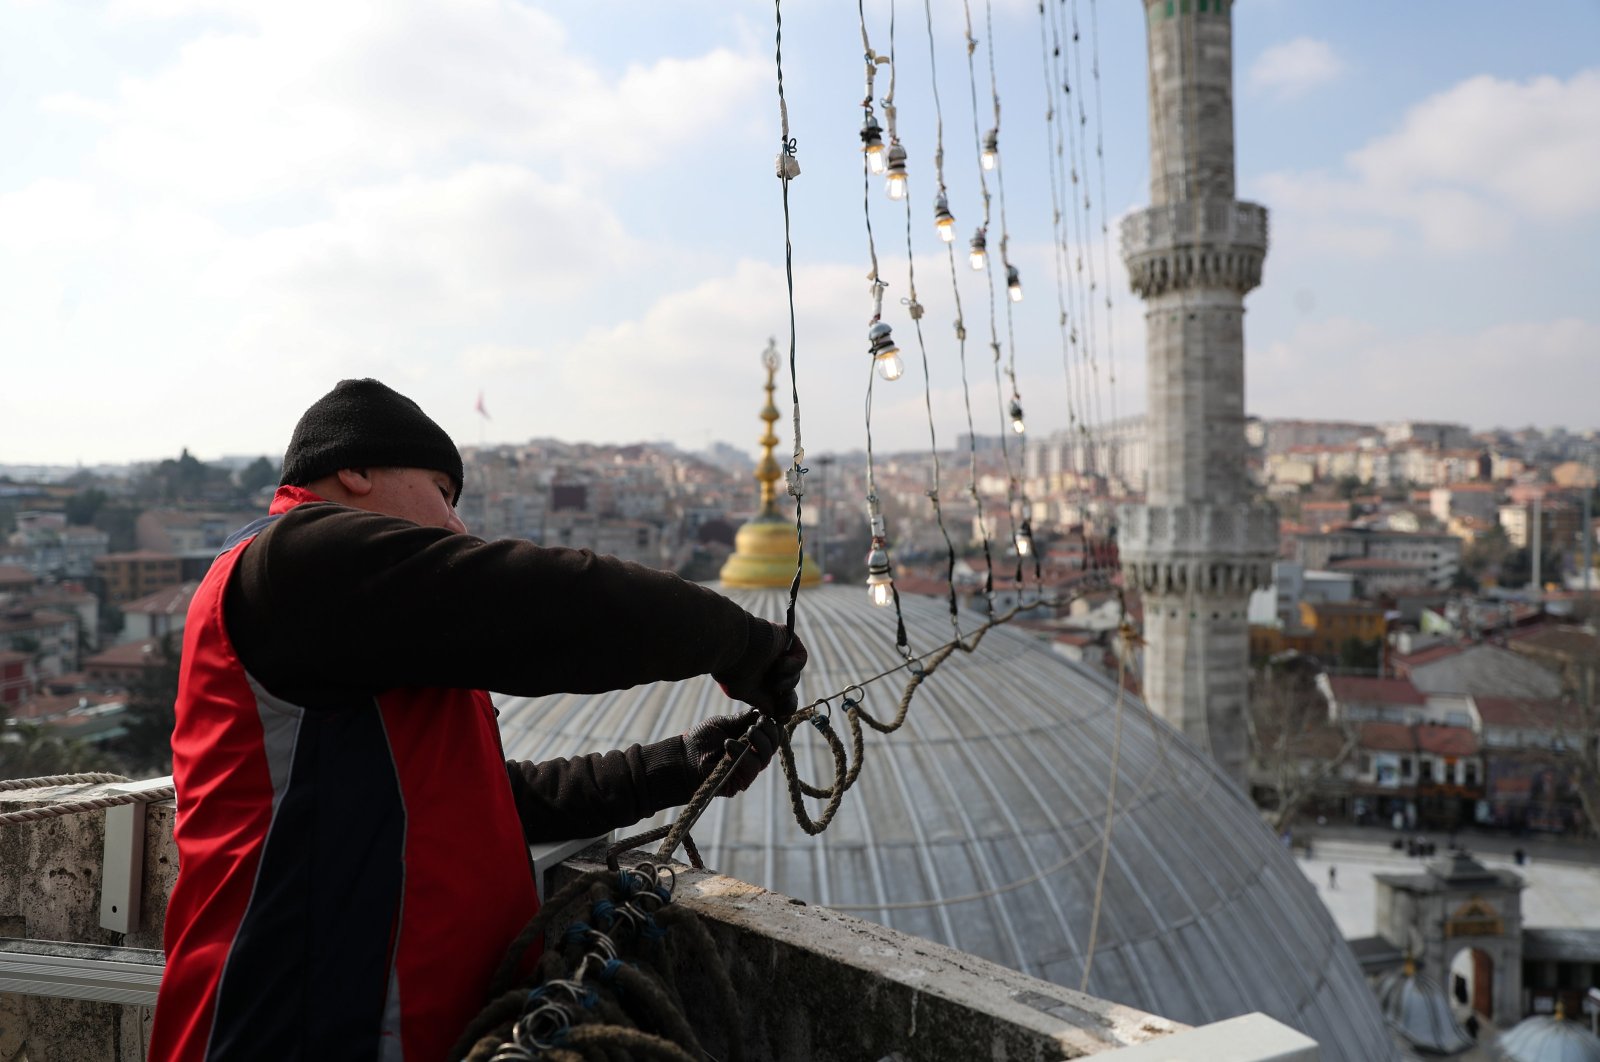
[352, 843]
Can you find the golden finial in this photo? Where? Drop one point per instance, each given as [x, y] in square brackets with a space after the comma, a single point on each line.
[767, 471]
[764, 549]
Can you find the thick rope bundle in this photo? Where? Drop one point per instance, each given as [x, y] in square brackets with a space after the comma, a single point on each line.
[586, 1000]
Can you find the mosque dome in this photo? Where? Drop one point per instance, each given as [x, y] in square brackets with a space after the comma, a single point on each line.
[979, 825]
[1419, 1010]
[1547, 1039]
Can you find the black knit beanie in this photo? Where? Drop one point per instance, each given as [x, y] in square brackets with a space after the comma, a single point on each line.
[364, 424]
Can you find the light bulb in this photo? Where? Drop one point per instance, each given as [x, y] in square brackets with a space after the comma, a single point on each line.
[872, 144]
[942, 219]
[1016, 417]
[1024, 538]
[979, 254]
[895, 184]
[885, 355]
[991, 149]
[880, 585]
[1013, 283]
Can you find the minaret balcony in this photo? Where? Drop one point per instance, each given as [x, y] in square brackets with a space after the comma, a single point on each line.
[1206, 243]
[1206, 549]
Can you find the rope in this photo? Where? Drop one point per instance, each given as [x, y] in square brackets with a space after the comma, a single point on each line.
[48, 780]
[847, 765]
[1111, 814]
[76, 807]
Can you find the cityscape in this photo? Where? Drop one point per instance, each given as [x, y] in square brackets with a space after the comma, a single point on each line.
[1228, 723]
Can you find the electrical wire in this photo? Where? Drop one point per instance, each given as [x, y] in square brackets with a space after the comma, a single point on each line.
[788, 168]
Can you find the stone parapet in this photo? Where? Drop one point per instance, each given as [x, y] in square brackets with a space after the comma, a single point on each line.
[814, 983]
[1207, 243]
[1197, 549]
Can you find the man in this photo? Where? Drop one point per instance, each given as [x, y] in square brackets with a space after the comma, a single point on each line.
[352, 842]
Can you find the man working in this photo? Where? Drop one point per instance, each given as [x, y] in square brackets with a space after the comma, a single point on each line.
[352, 842]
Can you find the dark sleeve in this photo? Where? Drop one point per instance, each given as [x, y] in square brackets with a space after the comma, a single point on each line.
[560, 799]
[341, 600]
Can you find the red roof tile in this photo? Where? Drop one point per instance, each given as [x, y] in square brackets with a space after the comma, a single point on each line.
[1447, 740]
[1387, 737]
[1356, 689]
[1522, 714]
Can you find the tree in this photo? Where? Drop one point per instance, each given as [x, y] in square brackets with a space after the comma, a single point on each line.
[1363, 656]
[147, 745]
[258, 474]
[82, 506]
[1294, 749]
[30, 750]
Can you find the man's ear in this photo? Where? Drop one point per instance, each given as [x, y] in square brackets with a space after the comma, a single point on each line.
[357, 481]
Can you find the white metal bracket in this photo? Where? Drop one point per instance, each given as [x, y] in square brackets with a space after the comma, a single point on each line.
[122, 862]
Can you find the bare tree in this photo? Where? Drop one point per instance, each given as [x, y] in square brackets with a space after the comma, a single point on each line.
[1295, 750]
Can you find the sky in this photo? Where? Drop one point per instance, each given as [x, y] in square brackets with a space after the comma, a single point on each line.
[212, 210]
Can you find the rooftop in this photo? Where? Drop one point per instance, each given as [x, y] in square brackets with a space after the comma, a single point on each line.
[173, 600]
[1357, 689]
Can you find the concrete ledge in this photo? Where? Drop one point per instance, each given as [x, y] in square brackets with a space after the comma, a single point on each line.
[1249, 1038]
[816, 984]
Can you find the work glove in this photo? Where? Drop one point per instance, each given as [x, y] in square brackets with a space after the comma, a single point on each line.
[766, 675]
[705, 745]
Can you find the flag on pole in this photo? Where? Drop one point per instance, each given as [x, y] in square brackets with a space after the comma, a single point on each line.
[480, 407]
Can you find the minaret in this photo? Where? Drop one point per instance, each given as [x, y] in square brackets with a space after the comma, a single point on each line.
[764, 548]
[1199, 545]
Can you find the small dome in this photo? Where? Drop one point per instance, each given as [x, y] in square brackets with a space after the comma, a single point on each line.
[1419, 1010]
[1546, 1039]
[979, 825]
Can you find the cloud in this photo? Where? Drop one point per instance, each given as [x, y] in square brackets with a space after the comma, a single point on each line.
[279, 98]
[1293, 68]
[1337, 368]
[1463, 169]
[1530, 145]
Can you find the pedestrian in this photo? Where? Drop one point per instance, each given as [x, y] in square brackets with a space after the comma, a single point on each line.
[352, 841]
[1333, 877]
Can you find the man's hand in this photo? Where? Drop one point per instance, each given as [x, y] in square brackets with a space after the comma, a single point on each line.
[766, 678]
[705, 745]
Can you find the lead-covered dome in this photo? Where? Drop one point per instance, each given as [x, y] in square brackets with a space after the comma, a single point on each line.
[979, 825]
[1547, 1039]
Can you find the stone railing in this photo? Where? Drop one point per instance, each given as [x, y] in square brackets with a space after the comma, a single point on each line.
[67, 993]
[1204, 243]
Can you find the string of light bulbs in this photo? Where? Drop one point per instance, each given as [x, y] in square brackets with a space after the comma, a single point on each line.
[1105, 225]
[988, 155]
[1072, 235]
[788, 168]
[1011, 412]
[1053, 147]
[885, 356]
[989, 162]
[944, 225]
[1086, 257]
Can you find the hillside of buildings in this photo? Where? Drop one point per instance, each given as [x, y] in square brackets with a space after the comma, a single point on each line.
[1421, 658]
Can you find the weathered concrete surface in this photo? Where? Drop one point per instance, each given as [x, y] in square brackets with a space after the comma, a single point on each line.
[50, 890]
[815, 984]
